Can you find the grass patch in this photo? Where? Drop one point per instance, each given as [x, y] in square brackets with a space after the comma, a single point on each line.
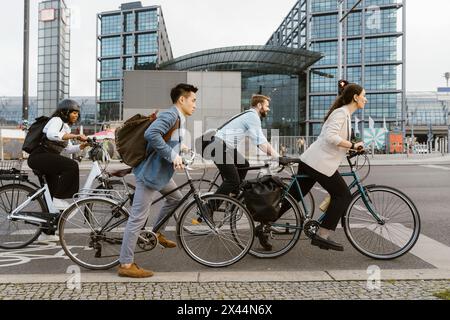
[444, 295]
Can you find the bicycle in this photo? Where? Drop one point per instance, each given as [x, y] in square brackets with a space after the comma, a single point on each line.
[310, 201]
[390, 217]
[213, 230]
[27, 209]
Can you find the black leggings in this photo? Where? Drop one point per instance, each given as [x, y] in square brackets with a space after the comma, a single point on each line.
[228, 163]
[61, 173]
[334, 185]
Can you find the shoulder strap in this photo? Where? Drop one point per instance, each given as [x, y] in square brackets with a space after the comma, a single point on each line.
[169, 133]
[234, 118]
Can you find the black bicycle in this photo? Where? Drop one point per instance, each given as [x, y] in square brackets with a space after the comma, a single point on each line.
[214, 230]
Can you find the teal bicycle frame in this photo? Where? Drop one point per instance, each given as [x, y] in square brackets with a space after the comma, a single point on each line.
[361, 189]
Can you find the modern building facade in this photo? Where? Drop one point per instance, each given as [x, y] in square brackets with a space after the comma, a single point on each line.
[11, 110]
[373, 55]
[427, 115]
[269, 70]
[131, 38]
[54, 55]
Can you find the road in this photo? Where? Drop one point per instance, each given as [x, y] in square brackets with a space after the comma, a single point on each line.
[427, 186]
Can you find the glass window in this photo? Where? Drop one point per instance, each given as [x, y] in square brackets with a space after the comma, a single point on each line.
[128, 64]
[129, 22]
[111, 24]
[319, 106]
[324, 80]
[324, 26]
[111, 68]
[111, 46]
[147, 43]
[381, 21]
[354, 51]
[354, 23]
[110, 90]
[146, 63]
[381, 78]
[381, 49]
[323, 5]
[329, 49]
[129, 44]
[147, 20]
[382, 105]
[354, 75]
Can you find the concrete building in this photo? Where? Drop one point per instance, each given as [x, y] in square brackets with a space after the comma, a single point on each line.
[54, 55]
[131, 38]
[373, 55]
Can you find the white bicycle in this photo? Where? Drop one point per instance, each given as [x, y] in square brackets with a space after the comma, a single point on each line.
[26, 209]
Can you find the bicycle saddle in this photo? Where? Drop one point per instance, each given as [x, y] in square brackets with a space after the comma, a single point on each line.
[285, 161]
[120, 173]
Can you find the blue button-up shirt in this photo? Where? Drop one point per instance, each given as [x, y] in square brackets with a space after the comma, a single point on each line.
[248, 124]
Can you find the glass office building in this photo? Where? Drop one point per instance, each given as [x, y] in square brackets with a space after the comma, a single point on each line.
[132, 38]
[373, 55]
[53, 55]
[268, 70]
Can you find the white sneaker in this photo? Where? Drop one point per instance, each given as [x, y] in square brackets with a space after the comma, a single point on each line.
[45, 238]
[60, 204]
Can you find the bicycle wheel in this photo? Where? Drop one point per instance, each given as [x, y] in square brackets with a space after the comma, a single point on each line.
[15, 234]
[204, 186]
[390, 240]
[224, 244]
[308, 200]
[91, 232]
[275, 239]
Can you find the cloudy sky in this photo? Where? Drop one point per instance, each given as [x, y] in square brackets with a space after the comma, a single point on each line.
[196, 25]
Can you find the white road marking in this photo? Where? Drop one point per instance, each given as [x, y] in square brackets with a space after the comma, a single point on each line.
[436, 167]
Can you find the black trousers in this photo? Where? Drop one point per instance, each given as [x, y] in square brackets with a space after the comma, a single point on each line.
[228, 160]
[334, 185]
[61, 173]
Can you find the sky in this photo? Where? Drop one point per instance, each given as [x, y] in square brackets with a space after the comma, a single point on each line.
[197, 25]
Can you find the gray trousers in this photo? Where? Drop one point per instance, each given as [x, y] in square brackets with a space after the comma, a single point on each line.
[143, 198]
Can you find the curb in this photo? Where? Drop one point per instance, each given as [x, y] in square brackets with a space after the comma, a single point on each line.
[207, 277]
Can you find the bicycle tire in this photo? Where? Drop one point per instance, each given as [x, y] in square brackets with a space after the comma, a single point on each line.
[84, 242]
[225, 244]
[9, 200]
[282, 234]
[209, 188]
[391, 199]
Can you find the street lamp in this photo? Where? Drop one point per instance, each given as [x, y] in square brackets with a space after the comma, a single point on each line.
[447, 77]
[26, 46]
[342, 18]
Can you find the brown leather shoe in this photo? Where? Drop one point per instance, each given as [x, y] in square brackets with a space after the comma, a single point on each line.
[166, 243]
[134, 272]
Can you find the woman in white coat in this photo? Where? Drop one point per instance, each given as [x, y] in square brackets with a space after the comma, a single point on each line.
[321, 161]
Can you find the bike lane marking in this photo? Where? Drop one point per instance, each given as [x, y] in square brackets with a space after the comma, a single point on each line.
[431, 166]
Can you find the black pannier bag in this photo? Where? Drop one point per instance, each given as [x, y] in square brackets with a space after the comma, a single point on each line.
[263, 198]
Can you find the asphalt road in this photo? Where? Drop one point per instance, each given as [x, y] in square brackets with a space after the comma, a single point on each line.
[427, 186]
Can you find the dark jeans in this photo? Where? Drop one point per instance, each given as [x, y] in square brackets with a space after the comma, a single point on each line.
[334, 185]
[62, 174]
[228, 160]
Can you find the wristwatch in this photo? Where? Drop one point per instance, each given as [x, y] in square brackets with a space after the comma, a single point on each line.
[353, 146]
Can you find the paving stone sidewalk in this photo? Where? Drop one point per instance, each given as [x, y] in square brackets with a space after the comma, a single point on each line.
[329, 290]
